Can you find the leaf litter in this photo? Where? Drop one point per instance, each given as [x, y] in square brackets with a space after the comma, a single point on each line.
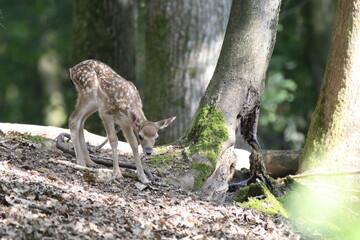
[40, 199]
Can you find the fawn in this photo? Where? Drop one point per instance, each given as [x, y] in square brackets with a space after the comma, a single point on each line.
[117, 100]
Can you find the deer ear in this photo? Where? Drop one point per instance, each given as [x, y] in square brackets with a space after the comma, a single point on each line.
[134, 119]
[164, 123]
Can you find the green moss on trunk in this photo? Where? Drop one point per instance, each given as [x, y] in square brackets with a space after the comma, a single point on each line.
[157, 66]
[206, 136]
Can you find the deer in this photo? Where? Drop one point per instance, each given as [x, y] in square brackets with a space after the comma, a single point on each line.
[101, 89]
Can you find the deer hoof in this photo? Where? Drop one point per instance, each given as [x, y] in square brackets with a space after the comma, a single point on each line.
[117, 176]
[144, 181]
[90, 163]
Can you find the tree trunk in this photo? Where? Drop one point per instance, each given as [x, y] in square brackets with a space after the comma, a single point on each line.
[333, 139]
[105, 30]
[233, 96]
[183, 42]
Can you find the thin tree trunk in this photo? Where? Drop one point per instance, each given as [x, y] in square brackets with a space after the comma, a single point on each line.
[183, 41]
[233, 96]
[333, 139]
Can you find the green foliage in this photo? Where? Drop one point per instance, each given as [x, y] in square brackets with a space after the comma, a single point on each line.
[31, 31]
[280, 91]
[291, 89]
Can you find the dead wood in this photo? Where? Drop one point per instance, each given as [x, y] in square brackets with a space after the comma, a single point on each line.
[280, 163]
[107, 162]
[92, 174]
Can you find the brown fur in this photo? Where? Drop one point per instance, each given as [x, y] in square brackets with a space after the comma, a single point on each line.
[117, 100]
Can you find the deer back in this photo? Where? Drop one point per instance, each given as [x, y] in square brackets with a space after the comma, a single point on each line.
[115, 94]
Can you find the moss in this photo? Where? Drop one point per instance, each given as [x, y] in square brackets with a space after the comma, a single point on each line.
[34, 139]
[161, 150]
[206, 136]
[245, 193]
[269, 204]
[157, 160]
[208, 133]
[203, 171]
[157, 66]
[193, 72]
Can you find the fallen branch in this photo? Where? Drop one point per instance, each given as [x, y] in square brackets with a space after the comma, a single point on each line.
[326, 174]
[93, 174]
[108, 162]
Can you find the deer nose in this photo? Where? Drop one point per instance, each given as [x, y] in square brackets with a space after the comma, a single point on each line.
[148, 151]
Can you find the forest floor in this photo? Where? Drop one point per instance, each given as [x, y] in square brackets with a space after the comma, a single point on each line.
[42, 199]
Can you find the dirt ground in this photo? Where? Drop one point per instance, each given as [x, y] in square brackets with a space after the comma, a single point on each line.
[42, 199]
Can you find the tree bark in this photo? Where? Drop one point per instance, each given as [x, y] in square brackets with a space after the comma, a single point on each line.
[333, 139]
[105, 30]
[183, 42]
[233, 96]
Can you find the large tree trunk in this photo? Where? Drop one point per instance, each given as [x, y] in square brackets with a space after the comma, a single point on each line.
[233, 96]
[183, 42]
[333, 139]
[105, 30]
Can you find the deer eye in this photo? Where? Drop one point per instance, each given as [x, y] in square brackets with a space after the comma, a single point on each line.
[140, 137]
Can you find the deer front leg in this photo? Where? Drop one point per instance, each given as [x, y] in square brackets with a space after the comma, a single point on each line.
[132, 140]
[108, 121]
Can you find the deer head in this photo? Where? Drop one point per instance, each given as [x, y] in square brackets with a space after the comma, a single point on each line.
[147, 131]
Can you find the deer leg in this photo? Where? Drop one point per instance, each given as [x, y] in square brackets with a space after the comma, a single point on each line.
[83, 110]
[109, 124]
[132, 140]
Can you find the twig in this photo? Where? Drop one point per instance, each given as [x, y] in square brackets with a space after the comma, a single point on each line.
[327, 174]
[118, 129]
[332, 186]
[44, 210]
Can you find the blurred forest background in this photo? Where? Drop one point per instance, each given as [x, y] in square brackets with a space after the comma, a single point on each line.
[168, 49]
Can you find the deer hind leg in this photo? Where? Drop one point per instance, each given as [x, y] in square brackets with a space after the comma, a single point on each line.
[83, 109]
[132, 140]
[109, 124]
